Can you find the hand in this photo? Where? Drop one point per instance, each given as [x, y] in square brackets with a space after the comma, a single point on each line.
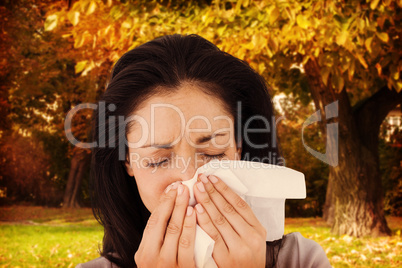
[239, 236]
[168, 238]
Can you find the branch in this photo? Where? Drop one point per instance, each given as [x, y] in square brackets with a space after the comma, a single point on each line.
[371, 113]
[322, 94]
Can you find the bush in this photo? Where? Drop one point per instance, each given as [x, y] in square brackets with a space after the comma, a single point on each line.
[25, 172]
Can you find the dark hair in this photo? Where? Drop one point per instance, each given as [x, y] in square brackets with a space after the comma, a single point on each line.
[161, 66]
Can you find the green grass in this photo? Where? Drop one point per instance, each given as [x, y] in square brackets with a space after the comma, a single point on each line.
[48, 237]
[346, 251]
[48, 246]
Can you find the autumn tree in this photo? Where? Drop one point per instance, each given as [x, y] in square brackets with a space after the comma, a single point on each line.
[347, 51]
[25, 167]
[39, 86]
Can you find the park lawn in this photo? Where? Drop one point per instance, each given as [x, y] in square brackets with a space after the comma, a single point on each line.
[48, 237]
[346, 251]
[48, 246]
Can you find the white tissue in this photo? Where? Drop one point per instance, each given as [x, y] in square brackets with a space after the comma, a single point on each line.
[263, 186]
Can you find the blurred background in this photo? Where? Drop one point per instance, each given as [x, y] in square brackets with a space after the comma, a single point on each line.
[55, 55]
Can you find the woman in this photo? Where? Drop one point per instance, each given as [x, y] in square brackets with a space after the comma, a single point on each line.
[173, 104]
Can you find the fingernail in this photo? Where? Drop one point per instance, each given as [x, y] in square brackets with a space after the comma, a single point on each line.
[168, 189]
[204, 178]
[213, 179]
[175, 185]
[199, 208]
[180, 189]
[200, 186]
[189, 210]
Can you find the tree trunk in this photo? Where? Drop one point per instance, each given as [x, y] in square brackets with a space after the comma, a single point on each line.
[357, 200]
[354, 200]
[328, 210]
[79, 163]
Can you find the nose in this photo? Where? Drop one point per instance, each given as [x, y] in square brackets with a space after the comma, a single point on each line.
[186, 165]
[187, 168]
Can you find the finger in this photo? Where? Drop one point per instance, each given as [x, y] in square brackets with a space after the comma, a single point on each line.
[206, 224]
[187, 240]
[174, 227]
[154, 232]
[218, 220]
[242, 208]
[239, 224]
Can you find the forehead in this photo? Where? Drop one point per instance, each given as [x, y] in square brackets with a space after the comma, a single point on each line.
[189, 107]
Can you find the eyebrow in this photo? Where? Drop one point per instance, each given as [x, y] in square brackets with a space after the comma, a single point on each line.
[199, 141]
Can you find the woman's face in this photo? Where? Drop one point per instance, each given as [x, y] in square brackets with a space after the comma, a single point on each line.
[176, 134]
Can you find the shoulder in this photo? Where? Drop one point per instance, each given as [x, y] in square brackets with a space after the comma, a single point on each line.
[298, 251]
[305, 245]
[100, 262]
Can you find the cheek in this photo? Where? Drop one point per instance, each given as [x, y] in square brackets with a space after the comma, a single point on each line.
[150, 186]
[233, 154]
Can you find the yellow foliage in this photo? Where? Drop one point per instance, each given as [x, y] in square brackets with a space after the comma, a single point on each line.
[79, 67]
[73, 17]
[51, 22]
[292, 30]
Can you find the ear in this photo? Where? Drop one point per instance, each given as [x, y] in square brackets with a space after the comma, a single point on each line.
[129, 168]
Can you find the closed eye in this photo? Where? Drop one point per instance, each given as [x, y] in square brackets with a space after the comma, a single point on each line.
[156, 164]
[217, 156]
